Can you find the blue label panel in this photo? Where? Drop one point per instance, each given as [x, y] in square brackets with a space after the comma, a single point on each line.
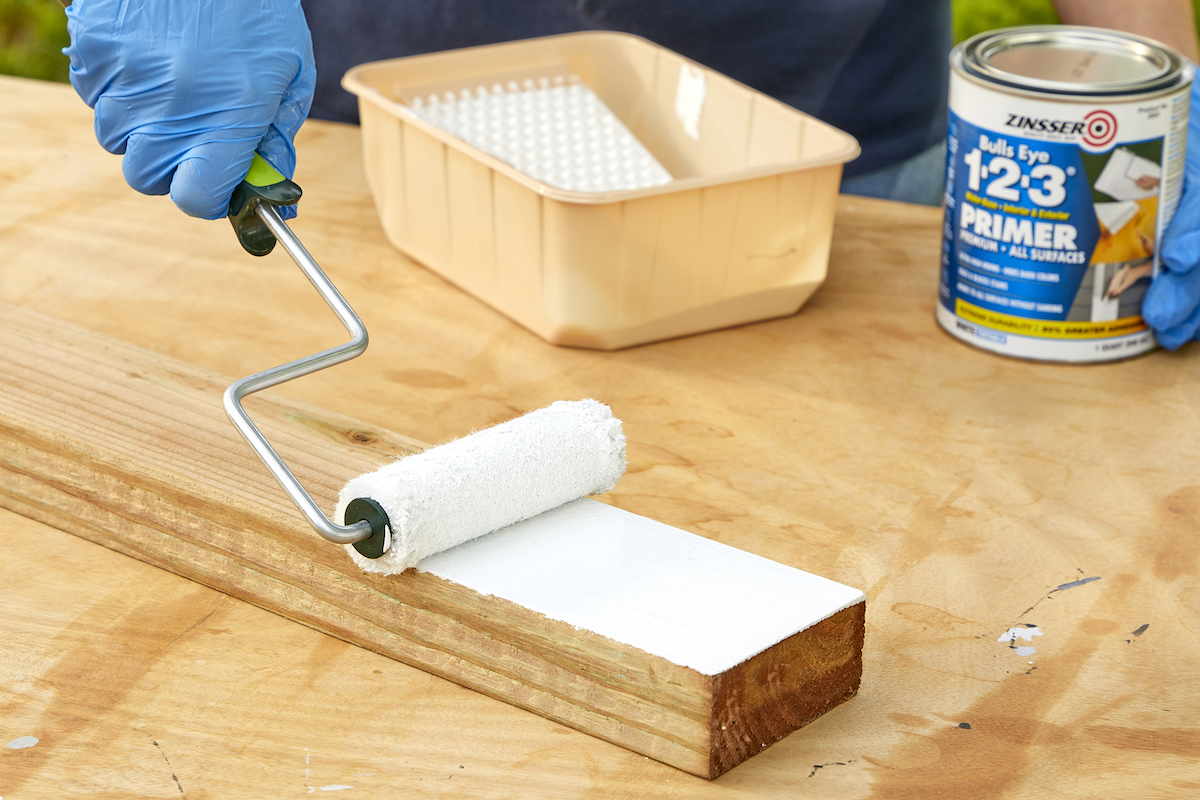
[1020, 227]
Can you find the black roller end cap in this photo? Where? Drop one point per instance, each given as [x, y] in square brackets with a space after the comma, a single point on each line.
[364, 508]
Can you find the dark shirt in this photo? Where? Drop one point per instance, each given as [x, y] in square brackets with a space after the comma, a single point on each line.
[877, 69]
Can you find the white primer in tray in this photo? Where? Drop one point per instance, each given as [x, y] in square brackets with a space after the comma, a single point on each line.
[695, 602]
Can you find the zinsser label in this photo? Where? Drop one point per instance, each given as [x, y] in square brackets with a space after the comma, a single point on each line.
[1054, 207]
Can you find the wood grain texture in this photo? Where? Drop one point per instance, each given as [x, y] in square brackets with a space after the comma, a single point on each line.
[131, 450]
[854, 440]
[762, 700]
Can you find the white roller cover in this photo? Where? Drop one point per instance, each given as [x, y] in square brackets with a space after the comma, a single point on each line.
[480, 483]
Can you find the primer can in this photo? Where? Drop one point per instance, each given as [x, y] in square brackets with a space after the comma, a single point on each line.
[1064, 163]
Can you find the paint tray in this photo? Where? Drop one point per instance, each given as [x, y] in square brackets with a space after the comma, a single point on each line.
[589, 245]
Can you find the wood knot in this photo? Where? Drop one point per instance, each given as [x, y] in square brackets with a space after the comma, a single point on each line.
[362, 437]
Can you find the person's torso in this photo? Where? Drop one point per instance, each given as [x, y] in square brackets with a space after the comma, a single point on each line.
[874, 68]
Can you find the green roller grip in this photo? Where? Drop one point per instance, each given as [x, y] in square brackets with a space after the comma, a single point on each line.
[263, 184]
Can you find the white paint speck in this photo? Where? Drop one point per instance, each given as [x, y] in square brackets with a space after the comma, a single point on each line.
[21, 742]
[1025, 633]
[1012, 634]
[335, 787]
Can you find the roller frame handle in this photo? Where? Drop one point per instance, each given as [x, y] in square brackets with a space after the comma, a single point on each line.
[258, 225]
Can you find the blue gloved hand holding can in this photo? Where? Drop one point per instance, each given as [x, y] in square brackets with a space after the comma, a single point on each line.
[188, 91]
[1172, 304]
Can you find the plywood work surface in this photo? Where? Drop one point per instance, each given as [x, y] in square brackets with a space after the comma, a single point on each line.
[967, 494]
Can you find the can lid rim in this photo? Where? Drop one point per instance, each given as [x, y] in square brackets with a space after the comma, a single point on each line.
[1168, 67]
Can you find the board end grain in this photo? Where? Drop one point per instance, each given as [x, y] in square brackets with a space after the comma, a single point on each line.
[785, 687]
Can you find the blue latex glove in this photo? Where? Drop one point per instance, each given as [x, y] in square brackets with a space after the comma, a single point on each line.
[187, 90]
[1172, 304]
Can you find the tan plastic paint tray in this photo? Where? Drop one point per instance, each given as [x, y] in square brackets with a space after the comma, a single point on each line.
[740, 233]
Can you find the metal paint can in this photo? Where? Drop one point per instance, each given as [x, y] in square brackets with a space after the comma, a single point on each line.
[1064, 163]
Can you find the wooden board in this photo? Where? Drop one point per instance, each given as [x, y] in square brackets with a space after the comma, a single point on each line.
[131, 450]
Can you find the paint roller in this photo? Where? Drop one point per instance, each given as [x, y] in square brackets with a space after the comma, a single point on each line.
[425, 503]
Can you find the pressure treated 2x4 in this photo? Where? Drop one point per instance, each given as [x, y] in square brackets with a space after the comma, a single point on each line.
[131, 450]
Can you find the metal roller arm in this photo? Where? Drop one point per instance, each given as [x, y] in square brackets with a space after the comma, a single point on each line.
[340, 534]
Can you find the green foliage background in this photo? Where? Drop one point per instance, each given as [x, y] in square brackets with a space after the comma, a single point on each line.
[33, 32]
[32, 36]
[975, 16]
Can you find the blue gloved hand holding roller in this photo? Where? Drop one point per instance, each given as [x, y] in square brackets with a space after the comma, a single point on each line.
[1172, 304]
[188, 91]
